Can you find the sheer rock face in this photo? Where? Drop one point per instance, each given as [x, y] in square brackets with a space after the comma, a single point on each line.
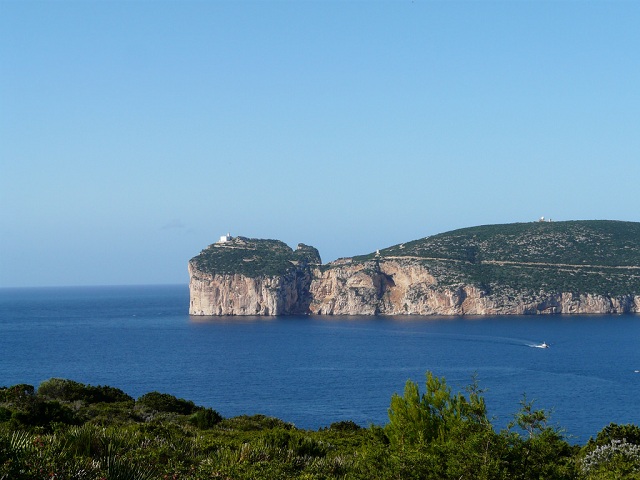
[406, 288]
[244, 276]
[395, 287]
[514, 269]
[236, 294]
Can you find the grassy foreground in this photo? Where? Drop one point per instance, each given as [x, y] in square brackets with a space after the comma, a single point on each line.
[68, 430]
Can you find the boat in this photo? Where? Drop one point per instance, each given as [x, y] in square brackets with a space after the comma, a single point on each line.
[544, 345]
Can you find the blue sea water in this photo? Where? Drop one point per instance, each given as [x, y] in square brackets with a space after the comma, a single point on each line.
[313, 371]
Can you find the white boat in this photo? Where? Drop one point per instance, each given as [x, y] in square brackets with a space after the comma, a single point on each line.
[544, 345]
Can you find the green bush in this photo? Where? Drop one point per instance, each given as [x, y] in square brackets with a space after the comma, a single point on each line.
[163, 402]
[70, 391]
[116, 413]
[345, 426]
[205, 419]
[42, 413]
[249, 423]
[438, 434]
[17, 394]
[5, 414]
[629, 433]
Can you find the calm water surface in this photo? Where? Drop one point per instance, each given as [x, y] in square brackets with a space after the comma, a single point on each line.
[313, 371]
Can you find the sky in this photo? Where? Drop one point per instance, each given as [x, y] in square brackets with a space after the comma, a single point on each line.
[135, 133]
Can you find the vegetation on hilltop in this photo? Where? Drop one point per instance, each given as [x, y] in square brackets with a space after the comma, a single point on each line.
[598, 257]
[595, 242]
[67, 430]
[254, 257]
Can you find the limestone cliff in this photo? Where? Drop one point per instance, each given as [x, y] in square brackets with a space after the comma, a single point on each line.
[565, 267]
[242, 276]
[403, 287]
[236, 294]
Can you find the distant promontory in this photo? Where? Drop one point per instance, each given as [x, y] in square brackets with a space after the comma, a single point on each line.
[571, 267]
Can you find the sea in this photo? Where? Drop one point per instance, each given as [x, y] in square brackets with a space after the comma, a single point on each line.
[312, 371]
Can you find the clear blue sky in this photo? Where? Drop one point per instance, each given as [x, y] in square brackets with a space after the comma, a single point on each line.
[134, 134]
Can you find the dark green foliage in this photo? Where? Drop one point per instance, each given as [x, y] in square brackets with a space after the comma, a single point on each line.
[443, 435]
[17, 394]
[307, 254]
[598, 257]
[538, 450]
[254, 257]
[205, 418]
[416, 419]
[438, 434]
[163, 402]
[43, 413]
[5, 414]
[21, 406]
[345, 426]
[68, 390]
[249, 423]
[110, 413]
[606, 243]
[613, 431]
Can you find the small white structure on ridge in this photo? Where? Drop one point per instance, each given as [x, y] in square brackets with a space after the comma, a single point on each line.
[225, 238]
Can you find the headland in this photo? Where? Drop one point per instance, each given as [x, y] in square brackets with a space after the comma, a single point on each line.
[569, 267]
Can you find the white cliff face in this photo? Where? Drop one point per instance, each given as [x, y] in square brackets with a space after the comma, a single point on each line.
[385, 287]
[226, 294]
[344, 290]
[588, 303]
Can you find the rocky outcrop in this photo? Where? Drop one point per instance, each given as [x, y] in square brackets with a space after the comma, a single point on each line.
[272, 280]
[516, 269]
[236, 294]
[407, 288]
[378, 288]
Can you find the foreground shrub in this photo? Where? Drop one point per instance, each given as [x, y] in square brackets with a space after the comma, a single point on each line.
[618, 459]
[163, 402]
[345, 426]
[5, 414]
[248, 423]
[205, 418]
[614, 454]
[45, 414]
[437, 435]
[628, 433]
[17, 394]
[70, 391]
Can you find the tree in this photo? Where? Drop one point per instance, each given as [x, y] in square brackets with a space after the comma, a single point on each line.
[443, 435]
[540, 451]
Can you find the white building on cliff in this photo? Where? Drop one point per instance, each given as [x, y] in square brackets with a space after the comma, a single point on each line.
[225, 238]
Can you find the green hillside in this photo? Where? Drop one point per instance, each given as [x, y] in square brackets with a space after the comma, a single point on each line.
[254, 257]
[596, 257]
[599, 256]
